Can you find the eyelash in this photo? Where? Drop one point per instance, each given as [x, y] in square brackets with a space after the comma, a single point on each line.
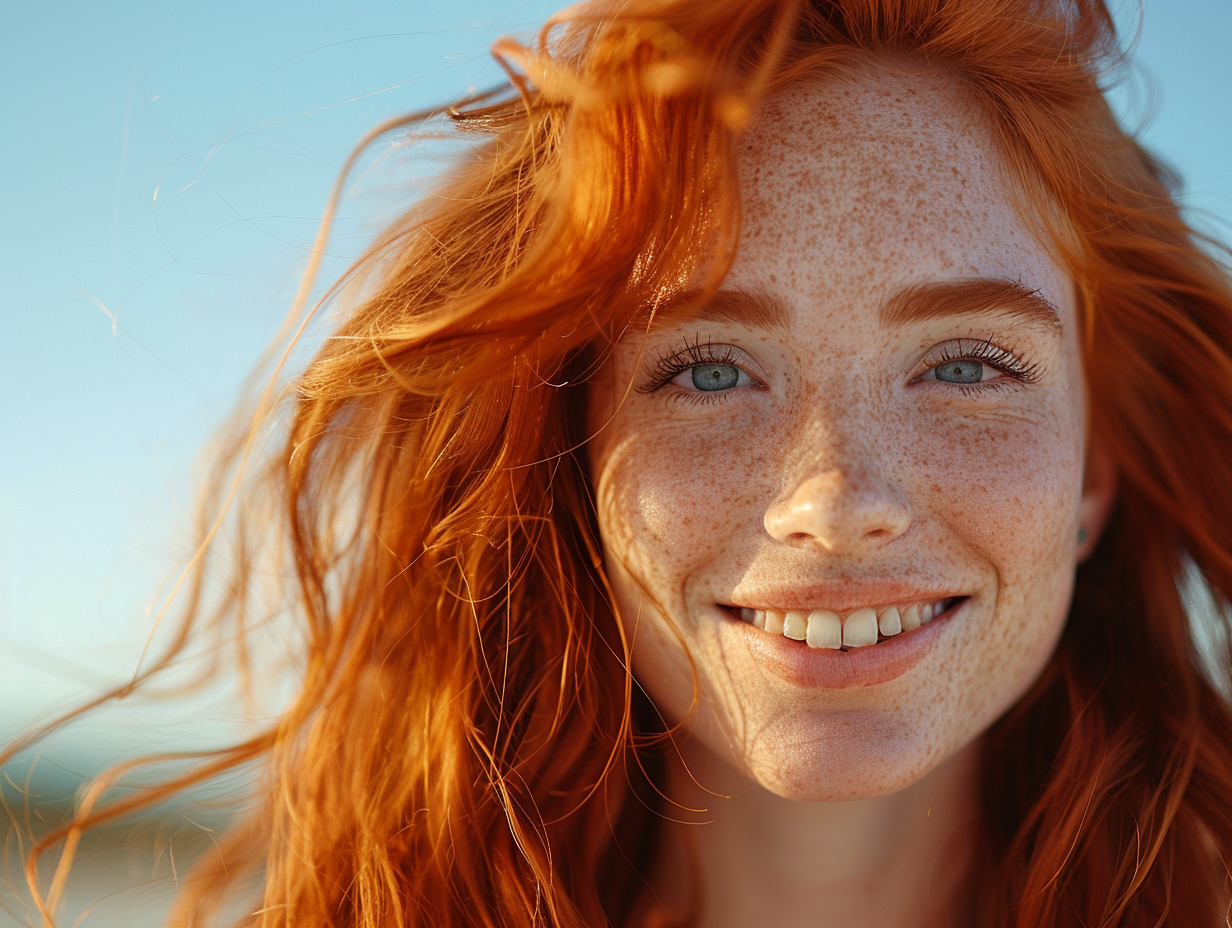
[1007, 362]
[694, 352]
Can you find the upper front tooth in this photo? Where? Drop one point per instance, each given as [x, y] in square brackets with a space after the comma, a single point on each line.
[774, 622]
[860, 629]
[890, 622]
[926, 613]
[795, 625]
[825, 630]
[911, 618]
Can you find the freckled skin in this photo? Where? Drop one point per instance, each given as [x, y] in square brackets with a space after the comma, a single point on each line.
[835, 461]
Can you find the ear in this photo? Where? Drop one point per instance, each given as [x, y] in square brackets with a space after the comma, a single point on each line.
[1099, 488]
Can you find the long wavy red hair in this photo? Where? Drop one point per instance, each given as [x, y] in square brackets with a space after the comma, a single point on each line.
[465, 745]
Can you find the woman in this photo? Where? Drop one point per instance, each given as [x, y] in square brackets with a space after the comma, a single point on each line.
[762, 486]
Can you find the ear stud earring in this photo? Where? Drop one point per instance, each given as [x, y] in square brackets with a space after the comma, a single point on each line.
[1082, 534]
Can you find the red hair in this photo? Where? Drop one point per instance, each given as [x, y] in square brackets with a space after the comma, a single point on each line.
[466, 745]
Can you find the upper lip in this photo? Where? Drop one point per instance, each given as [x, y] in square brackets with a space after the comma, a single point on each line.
[838, 596]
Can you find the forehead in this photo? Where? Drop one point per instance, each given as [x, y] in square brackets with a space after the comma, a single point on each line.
[886, 178]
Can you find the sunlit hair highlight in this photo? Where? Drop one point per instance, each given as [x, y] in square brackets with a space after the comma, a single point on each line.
[465, 745]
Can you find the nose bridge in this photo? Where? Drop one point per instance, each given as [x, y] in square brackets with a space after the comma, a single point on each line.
[841, 433]
[839, 489]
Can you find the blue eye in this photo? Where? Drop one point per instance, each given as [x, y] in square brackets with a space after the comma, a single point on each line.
[978, 365]
[710, 377]
[713, 377]
[701, 370]
[964, 370]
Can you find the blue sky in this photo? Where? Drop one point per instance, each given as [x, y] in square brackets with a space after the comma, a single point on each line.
[165, 164]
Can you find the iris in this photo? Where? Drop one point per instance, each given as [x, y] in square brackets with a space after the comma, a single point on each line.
[712, 377]
[960, 371]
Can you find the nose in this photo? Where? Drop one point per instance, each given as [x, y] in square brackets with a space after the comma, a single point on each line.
[842, 506]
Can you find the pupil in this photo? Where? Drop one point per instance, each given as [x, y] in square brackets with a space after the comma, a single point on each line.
[960, 372]
[712, 377]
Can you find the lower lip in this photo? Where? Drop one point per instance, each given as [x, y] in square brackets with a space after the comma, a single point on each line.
[825, 668]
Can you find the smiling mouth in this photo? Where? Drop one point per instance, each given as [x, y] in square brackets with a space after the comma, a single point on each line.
[859, 628]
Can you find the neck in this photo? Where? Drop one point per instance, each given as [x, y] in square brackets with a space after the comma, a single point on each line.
[895, 861]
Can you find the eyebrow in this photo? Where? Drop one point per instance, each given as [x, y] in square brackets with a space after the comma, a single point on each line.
[938, 299]
[932, 300]
[753, 307]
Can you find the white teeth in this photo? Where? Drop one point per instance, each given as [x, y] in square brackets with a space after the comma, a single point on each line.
[860, 629]
[795, 625]
[890, 623]
[911, 618]
[825, 630]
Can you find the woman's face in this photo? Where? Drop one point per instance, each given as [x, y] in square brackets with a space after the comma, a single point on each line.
[881, 417]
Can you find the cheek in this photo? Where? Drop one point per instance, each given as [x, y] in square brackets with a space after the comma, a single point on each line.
[1011, 489]
[1011, 500]
[668, 503]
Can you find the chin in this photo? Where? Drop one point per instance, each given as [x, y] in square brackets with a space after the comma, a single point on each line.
[833, 760]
